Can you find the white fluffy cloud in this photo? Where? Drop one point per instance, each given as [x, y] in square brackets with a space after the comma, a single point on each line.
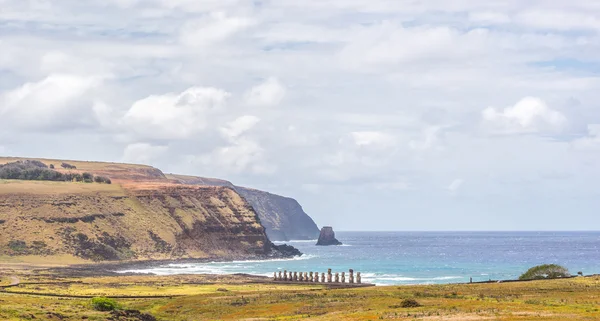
[53, 102]
[239, 126]
[269, 93]
[528, 115]
[174, 115]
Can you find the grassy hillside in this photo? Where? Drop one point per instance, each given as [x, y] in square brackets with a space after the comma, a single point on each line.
[206, 297]
[142, 215]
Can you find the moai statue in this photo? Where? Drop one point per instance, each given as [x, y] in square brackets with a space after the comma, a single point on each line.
[316, 280]
[358, 278]
[274, 276]
[311, 277]
[295, 276]
[280, 279]
[285, 276]
[322, 277]
[328, 275]
[343, 277]
[351, 276]
[305, 276]
[301, 277]
[337, 277]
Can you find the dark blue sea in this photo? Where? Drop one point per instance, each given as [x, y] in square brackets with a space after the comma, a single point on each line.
[387, 258]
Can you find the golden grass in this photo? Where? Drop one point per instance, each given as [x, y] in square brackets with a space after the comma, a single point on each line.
[53, 188]
[233, 298]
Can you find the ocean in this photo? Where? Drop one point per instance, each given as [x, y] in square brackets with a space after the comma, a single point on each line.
[394, 258]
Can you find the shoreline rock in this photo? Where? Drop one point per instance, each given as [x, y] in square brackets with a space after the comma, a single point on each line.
[327, 237]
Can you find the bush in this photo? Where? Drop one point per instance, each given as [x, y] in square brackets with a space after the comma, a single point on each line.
[545, 271]
[17, 245]
[104, 304]
[409, 303]
[67, 166]
[102, 179]
[88, 177]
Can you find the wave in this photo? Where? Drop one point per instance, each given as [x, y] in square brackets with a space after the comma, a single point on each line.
[295, 241]
[231, 267]
[404, 278]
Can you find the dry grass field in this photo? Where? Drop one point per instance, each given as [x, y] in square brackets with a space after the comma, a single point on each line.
[203, 297]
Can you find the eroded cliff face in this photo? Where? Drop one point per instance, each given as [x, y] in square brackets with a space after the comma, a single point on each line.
[142, 215]
[283, 217]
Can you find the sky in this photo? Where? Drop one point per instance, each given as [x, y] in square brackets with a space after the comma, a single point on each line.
[373, 114]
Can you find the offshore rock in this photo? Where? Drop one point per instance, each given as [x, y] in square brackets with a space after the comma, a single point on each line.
[285, 251]
[327, 237]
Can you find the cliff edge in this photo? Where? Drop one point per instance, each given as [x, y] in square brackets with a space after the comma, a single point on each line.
[142, 215]
[283, 217]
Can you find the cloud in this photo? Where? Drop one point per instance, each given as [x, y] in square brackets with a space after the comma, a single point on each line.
[388, 43]
[558, 20]
[529, 115]
[372, 139]
[455, 185]
[239, 126]
[269, 93]
[430, 139]
[590, 142]
[55, 102]
[214, 28]
[143, 153]
[242, 155]
[174, 115]
[489, 17]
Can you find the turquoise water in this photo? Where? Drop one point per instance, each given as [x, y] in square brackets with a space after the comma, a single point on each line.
[425, 257]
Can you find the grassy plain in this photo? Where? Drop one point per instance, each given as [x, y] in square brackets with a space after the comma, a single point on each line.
[204, 297]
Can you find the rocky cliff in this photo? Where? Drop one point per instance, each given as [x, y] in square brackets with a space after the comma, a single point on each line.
[283, 217]
[142, 215]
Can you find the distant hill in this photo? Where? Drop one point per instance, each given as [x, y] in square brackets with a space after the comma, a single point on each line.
[142, 215]
[283, 217]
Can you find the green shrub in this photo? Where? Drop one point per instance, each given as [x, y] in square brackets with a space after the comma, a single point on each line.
[104, 304]
[409, 303]
[17, 246]
[545, 271]
[88, 177]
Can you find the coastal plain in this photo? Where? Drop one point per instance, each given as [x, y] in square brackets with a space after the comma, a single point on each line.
[65, 294]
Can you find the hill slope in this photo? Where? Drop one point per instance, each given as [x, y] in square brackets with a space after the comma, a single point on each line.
[283, 217]
[142, 215]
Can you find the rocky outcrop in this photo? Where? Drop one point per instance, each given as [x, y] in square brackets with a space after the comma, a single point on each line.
[283, 217]
[327, 237]
[132, 219]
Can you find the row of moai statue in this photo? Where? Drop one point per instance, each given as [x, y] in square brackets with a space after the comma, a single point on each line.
[314, 277]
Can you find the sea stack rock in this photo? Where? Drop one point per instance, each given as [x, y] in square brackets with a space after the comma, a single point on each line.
[327, 237]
